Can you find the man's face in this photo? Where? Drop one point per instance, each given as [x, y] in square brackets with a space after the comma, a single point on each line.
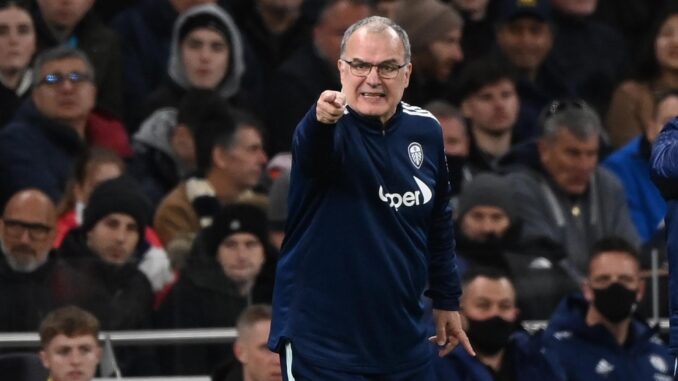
[666, 44]
[481, 221]
[66, 100]
[613, 267]
[446, 52]
[526, 41]
[328, 33]
[245, 159]
[17, 39]
[71, 358]
[64, 13]
[666, 110]
[570, 161]
[205, 55]
[27, 230]
[373, 95]
[454, 137]
[259, 363]
[241, 256]
[576, 7]
[114, 238]
[183, 144]
[494, 108]
[485, 298]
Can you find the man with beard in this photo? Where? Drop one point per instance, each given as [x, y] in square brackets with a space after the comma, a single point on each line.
[102, 249]
[597, 336]
[32, 282]
[504, 352]
[488, 236]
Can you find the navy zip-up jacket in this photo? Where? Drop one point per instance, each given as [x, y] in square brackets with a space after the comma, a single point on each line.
[369, 226]
[591, 353]
[523, 352]
[664, 163]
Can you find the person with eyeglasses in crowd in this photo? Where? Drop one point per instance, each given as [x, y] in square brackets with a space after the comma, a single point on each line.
[76, 24]
[49, 131]
[32, 279]
[369, 226]
[565, 198]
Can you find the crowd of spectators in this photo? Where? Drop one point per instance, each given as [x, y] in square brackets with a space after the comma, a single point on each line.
[144, 164]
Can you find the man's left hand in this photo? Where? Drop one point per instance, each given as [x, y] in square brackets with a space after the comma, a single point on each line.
[449, 332]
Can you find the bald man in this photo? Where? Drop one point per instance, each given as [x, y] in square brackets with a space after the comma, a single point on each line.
[32, 282]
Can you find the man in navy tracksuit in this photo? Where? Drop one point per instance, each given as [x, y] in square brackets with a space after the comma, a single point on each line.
[664, 162]
[369, 226]
[505, 352]
[597, 337]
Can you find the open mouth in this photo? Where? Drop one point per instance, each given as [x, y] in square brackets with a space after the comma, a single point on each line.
[372, 95]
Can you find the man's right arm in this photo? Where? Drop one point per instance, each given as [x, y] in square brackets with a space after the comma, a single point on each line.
[313, 142]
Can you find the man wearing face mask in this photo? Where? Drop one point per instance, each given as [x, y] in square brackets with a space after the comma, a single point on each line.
[597, 336]
[488, 235]
[504, 351]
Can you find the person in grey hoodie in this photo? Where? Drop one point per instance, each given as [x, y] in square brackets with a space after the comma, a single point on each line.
[206, 62]
[206, 53]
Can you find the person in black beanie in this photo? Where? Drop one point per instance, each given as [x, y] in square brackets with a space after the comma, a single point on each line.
[119, 195]
[488, 236]
[229, 268]
[102, 249]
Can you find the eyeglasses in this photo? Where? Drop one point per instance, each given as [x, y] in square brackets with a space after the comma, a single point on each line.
[16, 228]
[384, 70]
[560, 105]
[74, 77]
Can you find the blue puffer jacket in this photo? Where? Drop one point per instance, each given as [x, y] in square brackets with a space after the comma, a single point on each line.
[591, 353]
[664, 162]
[524, 352]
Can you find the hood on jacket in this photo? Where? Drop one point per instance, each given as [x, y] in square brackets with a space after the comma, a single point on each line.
[156, 131]
[231, 82]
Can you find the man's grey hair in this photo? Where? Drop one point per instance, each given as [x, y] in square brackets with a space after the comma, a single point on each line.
[581, 122]
[377, 24]
[59, 53]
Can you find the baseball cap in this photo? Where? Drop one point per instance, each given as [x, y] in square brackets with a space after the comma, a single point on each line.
[509, 10]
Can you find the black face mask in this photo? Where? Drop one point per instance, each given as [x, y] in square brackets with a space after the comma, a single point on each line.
[491, 335]
[487, 252]
[615, 302]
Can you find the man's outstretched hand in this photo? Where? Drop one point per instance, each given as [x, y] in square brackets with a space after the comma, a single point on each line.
[330, 106]
[449, 332]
